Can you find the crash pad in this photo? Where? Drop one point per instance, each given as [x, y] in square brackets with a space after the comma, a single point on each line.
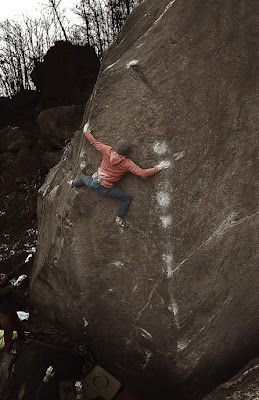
[97, 383]
[2, 343]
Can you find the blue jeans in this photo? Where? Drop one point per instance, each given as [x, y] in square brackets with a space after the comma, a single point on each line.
[114, 193]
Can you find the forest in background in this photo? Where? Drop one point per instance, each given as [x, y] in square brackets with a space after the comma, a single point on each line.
[24, 43]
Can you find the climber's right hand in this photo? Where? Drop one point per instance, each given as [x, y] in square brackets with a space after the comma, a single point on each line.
[49, 374]
[163, 165]
[86, 127]
[79, 387]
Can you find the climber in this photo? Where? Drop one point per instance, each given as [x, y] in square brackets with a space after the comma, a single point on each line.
[114, 165]
[8, 316]
[49, 374]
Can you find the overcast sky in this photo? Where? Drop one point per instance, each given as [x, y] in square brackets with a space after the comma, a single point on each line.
[15, 8]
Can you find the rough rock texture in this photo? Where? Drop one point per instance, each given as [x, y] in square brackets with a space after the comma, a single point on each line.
[243, 386]
[174, 299]
[58, 124]
[13, 139]
[22, 109]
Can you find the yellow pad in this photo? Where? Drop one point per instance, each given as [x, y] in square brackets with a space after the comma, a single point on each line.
[2, 343]
[97, 383]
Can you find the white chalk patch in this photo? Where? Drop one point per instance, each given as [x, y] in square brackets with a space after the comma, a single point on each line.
[2, 213]
[148, 355]
[173, 307]
[179, 155]
[160, 147]
[169, 5]
[53, 192]
[168, 259]
[163, 199]
[82, 154]
[166, 221]
[145, 333]
[181, 345]
[133, 62]
[110, 66]
[118, 264]
[45, 191]
[135, 288]
[86, 323]
[82, 164]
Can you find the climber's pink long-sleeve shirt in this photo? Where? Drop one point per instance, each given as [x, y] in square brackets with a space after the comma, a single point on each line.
[114, 165]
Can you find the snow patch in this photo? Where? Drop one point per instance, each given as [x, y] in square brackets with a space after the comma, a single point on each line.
[132, 62]
[160, 147]
[32, 232]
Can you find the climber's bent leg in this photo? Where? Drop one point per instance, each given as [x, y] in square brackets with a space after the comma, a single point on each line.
[124, 197]
[116, 193]
[84, 180]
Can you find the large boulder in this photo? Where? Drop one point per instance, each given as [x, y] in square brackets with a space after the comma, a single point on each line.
[13, 139]
[57, 124]
[20, 110]
[67, 74]
[172, 301]
[243, 386]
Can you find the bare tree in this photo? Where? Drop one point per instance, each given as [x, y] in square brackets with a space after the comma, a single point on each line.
[21, 45]
[102, 20]
[55, 7]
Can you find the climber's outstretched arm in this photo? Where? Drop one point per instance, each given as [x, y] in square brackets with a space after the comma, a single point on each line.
[145, 173]
[96, 143]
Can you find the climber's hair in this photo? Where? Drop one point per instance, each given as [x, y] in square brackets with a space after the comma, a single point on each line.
[123, 147]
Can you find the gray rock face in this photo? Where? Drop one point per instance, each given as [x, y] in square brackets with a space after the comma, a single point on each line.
[243, 386]
[173, 299]
[12, 139]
